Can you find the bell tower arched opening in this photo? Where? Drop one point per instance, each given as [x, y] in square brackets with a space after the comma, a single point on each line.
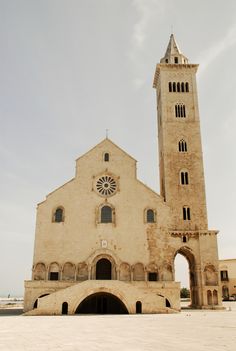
[185, 261]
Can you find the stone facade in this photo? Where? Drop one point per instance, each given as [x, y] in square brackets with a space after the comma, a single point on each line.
[106, 243]
[228, 278]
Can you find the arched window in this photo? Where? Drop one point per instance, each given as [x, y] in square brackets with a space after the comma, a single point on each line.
[150, 216]
[170, 87]
[58, 215]
[176, 60]
[180, 110]
[138, 307]
[186, 213]
[182, 146]
[106, 157]
[106, 214]
[182, 87]
[178, 87]
[186, 87]
[184, 178]
[174, 87]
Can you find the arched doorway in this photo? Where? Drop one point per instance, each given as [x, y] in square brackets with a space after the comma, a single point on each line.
[64, 308]
[103, 269]
[188, 273]
[101, 303]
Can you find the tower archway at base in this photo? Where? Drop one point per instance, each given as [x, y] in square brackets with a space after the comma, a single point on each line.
[101, 303]
[188, 255]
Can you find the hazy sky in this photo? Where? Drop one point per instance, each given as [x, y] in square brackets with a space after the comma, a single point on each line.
[69, 69]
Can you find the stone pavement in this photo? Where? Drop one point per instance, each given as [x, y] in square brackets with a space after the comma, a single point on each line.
[188, 330]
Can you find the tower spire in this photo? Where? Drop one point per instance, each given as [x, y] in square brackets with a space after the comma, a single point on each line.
[173, 54]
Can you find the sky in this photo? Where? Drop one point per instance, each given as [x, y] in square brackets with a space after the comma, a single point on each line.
[70, 69]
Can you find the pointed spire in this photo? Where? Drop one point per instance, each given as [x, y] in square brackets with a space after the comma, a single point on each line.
[173, 54]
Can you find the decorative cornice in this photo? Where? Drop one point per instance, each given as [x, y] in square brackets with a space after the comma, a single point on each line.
[192, 233]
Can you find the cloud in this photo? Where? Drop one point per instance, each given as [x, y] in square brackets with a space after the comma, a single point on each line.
[146, 13]
[144, 10]
[218, 49]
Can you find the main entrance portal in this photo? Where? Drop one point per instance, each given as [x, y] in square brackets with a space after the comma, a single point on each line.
[103, 269]
[101, 303]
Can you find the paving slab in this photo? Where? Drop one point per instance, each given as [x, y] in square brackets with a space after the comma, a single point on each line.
[188, 330]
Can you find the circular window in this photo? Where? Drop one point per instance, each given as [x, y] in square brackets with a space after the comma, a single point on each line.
[106, 186]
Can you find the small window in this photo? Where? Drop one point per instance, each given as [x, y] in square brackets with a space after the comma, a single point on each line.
[184, 239]
[170, 87]
[152, 276]
[178, 87]
[182, 87]
[106, 157]
[182, 146]
[184, 178]
[176, 60]
[166, 60]
[186, 87]
[59, 215]
[106, 214]
[150, 216]
[186, 213]
[224, 275]
[180, 110]
[174, 87]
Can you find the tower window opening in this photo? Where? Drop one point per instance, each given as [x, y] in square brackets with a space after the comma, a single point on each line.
[180, 110]
[182, 87]
[182, 146]
[186, 213]
[184, 239]
[187, 87]
[174, 87]
[178, 87]
[170, 87]
[166, 60]
[106, 157]
[176, 60]
[184, 178]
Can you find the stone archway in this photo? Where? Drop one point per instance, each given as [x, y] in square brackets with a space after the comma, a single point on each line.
[101, 303]
[188, 255]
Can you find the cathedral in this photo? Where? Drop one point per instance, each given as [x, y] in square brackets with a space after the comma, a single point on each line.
[106, 243]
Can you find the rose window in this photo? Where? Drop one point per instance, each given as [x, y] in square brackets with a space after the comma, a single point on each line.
[106, 186]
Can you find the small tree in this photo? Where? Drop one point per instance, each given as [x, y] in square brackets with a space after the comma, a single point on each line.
[184, 293]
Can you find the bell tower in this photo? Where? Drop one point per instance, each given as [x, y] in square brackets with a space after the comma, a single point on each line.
[180, 152]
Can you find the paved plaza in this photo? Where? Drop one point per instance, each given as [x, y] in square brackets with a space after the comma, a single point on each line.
[188, 330]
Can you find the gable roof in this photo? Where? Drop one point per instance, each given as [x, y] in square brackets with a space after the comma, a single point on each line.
[107, 141]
